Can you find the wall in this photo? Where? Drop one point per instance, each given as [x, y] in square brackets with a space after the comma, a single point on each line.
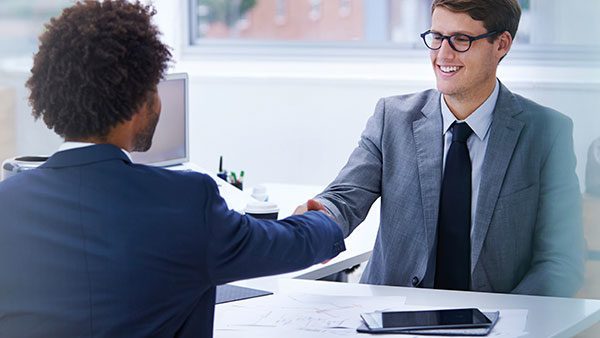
[301, 129]
[7, 117]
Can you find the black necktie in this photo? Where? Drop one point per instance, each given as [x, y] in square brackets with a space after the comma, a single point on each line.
[453, 264]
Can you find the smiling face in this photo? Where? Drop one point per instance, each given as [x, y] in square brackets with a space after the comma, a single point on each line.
[467, 77]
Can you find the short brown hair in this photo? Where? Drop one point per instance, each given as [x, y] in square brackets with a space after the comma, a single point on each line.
[497, 15]
[95, 66]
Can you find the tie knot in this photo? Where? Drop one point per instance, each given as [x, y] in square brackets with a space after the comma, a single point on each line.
[461, 132]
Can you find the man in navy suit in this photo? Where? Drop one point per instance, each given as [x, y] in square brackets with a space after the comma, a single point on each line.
[94, 245]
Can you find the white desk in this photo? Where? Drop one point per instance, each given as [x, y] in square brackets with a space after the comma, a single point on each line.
[547, 316]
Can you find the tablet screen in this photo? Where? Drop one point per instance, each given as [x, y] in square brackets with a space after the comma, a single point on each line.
[427, 319]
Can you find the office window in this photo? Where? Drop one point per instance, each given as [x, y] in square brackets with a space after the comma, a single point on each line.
[345, 8]
[314, 13]
[277, 20]
[281, 12]
[298, 20]
[345, 21]
[373, 22]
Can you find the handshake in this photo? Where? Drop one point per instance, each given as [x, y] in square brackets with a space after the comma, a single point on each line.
[312, 205]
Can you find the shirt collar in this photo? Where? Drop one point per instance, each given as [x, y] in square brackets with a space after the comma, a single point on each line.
[480, 120]
[68, 145]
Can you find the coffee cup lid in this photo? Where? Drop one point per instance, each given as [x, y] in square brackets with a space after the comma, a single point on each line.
[259, 207]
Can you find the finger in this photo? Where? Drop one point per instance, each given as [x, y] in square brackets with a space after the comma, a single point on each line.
[300, 209]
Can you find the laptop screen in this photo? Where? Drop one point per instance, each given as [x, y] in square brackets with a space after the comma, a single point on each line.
[170, 142]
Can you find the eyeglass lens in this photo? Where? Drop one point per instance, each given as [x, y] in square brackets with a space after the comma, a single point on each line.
[460, 42]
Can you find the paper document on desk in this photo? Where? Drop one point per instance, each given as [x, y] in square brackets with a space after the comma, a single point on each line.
[297, 315]
[319, 314]
[511, 323]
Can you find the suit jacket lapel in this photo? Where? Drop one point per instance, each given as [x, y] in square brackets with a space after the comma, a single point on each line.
[427, 133]
[504, 134]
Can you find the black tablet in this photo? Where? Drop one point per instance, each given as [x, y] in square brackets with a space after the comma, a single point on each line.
[425, 320]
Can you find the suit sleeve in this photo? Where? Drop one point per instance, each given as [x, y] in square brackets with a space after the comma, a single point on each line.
[558, 249]
[241, 246]
[350, 196]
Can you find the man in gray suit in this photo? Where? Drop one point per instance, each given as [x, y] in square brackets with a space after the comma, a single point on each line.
[477, 184]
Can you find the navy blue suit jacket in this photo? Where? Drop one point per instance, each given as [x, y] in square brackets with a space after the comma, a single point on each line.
[92, 245]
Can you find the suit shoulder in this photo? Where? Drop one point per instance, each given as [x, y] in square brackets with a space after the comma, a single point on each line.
[185, 179]
[412, 100]
[14, 182]
[541, 115]
[407, 104]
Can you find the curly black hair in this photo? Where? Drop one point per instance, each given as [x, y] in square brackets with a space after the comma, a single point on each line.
[95, 66]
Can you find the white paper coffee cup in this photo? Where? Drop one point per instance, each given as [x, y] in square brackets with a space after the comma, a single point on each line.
[262, 210]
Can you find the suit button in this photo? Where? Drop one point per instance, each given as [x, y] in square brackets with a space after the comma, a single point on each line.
[415, 281]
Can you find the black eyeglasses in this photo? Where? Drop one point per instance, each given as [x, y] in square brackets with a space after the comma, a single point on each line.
[459, 42]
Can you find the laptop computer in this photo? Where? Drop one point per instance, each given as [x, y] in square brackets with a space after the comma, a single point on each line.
[170, 144]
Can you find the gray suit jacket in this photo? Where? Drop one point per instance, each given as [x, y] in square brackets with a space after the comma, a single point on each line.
[528, 234]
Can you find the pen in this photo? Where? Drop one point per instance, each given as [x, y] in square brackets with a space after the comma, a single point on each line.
[241, 176]
[222, 174]
[234, 177]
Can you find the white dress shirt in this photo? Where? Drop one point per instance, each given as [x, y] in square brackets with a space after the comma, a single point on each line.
[73, 145]
[480, 121]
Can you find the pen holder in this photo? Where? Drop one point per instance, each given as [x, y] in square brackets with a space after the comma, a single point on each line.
[236, 181]
[222, 175]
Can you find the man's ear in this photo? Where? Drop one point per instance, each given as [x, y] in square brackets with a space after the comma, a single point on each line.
[141, 112]
[503, 43]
